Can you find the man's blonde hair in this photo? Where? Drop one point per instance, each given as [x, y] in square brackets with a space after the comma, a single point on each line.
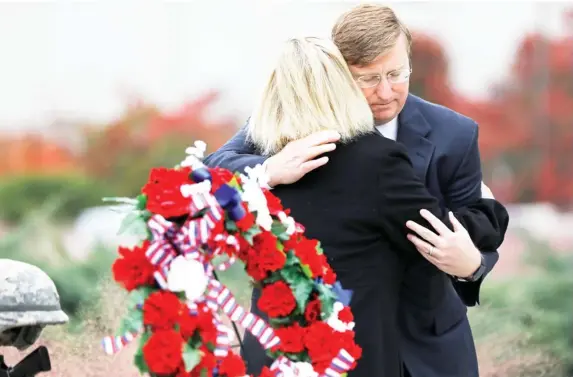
[367, 31]
[310, 89]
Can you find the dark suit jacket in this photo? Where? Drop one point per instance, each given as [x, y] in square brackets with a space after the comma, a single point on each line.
[436, 339]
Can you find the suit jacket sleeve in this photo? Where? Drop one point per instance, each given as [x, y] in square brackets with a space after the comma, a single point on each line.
[403, 195]
[236, 154]
[465, 187]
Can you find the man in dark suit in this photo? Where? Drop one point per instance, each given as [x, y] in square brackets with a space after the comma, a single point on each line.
[436, 339]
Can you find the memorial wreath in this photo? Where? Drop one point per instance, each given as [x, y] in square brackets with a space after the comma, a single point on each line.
[195, 221]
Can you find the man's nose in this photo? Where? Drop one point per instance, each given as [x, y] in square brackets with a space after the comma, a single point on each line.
[384, 89]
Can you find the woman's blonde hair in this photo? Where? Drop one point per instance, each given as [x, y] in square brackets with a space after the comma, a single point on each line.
[310, 89]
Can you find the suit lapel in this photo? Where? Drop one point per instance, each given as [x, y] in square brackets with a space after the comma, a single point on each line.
[412, 131]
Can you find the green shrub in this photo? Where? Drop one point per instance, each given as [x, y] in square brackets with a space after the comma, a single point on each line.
[77, 282]
[536, 310]
[38, 241]
[20, 195]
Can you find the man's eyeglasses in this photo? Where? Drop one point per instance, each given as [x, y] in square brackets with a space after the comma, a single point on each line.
[394, 77]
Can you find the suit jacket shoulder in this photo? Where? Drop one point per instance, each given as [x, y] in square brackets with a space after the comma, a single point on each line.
[447, 123]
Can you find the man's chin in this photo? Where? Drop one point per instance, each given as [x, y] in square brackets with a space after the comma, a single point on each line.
[384, 115]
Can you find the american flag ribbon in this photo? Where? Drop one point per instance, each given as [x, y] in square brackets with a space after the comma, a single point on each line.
[224, 337]
[339, 365]
[280, 364]
[202, 200]
[217, 297]
[221, 297]
[170, 240]
[160, 251]
[114, 344]
[228, 240]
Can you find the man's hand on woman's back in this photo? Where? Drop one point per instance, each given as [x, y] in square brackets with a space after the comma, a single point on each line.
[300, 157]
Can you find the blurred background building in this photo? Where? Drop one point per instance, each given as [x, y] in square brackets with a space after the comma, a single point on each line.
[95, 93]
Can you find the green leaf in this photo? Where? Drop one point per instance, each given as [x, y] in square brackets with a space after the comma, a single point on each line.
[280, 247]
[141, 202]
[307, 271]
[300, 284]
[191, 357]
[251, 233]
[327, 299]
[280, 321]
[145, 215]
[279, 230]
[234, 183]
[231, 226]
[133, 223]
[291, 259]
[296, 357]
[132, 322]
[138, 359]
[139, 295]
[273, 277]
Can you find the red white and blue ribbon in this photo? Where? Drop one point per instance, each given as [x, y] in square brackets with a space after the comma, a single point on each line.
[217, 297]
[339, 365]
[170, 240]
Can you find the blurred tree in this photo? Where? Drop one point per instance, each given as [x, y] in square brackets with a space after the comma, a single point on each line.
[526, 127]
[22, 195]
[123, 152]
[35, 154]
[539, 96]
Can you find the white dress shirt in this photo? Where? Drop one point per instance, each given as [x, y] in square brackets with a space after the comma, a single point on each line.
[389, 130]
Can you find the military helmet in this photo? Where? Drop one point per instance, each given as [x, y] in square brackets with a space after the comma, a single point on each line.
[28, 297]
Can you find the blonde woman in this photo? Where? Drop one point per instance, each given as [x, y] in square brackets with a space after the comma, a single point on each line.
[357, 205]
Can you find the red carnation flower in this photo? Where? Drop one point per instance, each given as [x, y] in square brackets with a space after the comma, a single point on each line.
[162, 310]
[163, 352]
[264, 257]
[312, 311]
[217, 241]
[246, 222]
[219, 177]
[307, 251]
[163, 192]
[346, 341]
[273, 202]
[188, 324]
[244, 251]
[133, 269]
[329, 276]
[277, 300]
[292, 338]
[232, 366]
[345, 315]
[266, 372]
[206, 326]
[293, 241]
[322, 345]
[206, 365]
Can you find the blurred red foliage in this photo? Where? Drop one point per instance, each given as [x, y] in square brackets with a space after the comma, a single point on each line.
[143, 137]
[34, 154]
[526, 127]
[122, 152]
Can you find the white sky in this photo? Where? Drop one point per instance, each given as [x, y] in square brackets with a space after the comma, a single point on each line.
[70, 59]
